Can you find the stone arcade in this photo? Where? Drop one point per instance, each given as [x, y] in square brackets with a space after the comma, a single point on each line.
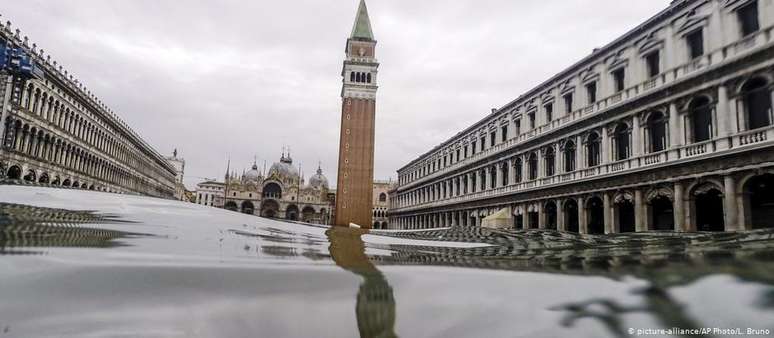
[56, 132]
[669, 127]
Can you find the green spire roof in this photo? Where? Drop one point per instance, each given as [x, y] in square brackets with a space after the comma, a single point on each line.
[362, 28]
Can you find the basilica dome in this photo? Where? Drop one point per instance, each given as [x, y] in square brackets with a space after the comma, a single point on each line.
[318, 181]
[284, 169]
[253, 175]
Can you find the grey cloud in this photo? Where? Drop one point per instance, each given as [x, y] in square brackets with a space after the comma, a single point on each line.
[243, 78]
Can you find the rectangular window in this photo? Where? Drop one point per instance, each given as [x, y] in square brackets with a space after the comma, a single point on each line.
[483, 143]
[619, 77]
[695, 43]
[591, 90]
[748, 18]
[492, 139]
[504, 133]
[517, 124]
[549, 112]
[532, 120]
[458, 155]
[465, 152]
[653, 61]
[473, 147]
[568, 103]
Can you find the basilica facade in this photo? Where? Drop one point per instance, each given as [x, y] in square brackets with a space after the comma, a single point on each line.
[669, 127]
[282, 192]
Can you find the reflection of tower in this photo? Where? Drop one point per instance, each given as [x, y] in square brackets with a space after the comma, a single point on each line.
[375, 309]
[356, 142]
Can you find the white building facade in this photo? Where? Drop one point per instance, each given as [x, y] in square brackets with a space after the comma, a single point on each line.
[55, 132]
[668, 127]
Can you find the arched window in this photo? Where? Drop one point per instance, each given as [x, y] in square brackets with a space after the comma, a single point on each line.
[757, 103]
[352, 77]
[569, 156]
[656, 131]
[550, 161]
[493, 177]
[518, 168]
[621, 140]
[592, 150]
[382, 197]
[357, 77]
[533, 166]
[701, 119]
[368, 77]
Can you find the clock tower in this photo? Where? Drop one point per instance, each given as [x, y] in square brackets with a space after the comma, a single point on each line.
[354, 188]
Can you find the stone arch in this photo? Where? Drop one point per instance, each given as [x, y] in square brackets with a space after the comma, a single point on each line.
[755, 94]
[550, 210]
[14, 172]
[231, 206]
[656, 131]
[31, 176]
[700, 116]
[595, 215]
[593, 149]
[308, 214]
[66, 182]
[247, 207]
[291, 212]
[44, 178]
[272, 190]
[571, 222]
[706, 208]
[623, 212]
[56, 181]
[758, 201]
[621, 141]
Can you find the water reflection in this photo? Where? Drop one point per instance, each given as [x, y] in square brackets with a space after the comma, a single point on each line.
[24, 226]
[375, 309]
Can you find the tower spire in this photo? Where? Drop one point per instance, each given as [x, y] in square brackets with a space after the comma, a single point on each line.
[362, 28]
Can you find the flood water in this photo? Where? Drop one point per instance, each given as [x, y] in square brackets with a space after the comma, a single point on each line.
[89, 264]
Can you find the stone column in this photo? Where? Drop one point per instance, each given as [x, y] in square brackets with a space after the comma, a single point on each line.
[605, 151]
[722, 113]
[608, 214]
[560, 216]
[679, 209]
[583, 224]
[675, 127]
[511, 172]
[541, 216]
[729, 204]
[487, 178]
[640, 223]
[580, 162]
[636, 145]
[499, 176]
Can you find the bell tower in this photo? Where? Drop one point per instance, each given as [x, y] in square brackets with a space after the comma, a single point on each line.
[354, 188]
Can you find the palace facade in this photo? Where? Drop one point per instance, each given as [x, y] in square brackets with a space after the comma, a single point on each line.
[669, 127]
[54, 131]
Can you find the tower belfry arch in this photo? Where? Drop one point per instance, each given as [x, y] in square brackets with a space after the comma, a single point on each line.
[356, 142]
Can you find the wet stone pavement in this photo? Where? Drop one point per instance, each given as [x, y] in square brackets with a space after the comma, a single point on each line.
[79, 264]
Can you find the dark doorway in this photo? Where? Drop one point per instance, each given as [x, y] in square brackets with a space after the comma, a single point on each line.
[596, 216]
[709, 211]
[571, 216]
[248, 207]
[518, 222]
[662, 214]
[533, 220]
[760, 190]
[291, 213]
[232, 206]
[626, 217]
[550, 211]
[14, 173]
[30, 177]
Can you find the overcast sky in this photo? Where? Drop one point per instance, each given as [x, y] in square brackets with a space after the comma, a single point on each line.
[238, 79]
